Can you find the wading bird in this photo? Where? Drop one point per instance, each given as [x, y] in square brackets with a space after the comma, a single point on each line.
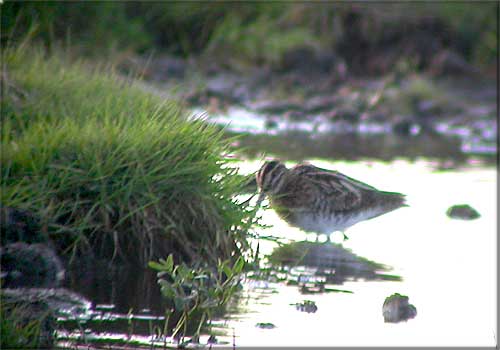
[319, 200]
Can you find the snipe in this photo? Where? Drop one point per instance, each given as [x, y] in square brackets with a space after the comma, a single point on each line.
[322, 201]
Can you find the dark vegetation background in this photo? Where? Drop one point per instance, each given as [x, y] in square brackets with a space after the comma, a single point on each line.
[369, 37]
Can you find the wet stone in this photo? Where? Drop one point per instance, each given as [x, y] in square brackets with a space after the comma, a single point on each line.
[315, 288]
[265, 325]
[462, 211]
[406, 127]
[308, 306]
[271, 124]
[61, 301]
[30, 265]
[396, 309]
[20, 225]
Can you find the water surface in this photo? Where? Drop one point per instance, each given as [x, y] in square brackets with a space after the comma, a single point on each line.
[447, 268]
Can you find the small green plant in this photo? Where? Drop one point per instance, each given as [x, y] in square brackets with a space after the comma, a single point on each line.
[196, 291]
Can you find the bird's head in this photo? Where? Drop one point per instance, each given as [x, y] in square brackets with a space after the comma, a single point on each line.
[269, 175]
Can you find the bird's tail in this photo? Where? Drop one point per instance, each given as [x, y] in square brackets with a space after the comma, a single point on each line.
[393, 200]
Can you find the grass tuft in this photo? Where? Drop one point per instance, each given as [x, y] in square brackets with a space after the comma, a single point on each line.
[113, 171]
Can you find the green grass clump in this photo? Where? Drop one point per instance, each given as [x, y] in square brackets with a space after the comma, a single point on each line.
[112, 170]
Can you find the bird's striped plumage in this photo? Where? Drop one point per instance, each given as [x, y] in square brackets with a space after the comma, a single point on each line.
[322, 201]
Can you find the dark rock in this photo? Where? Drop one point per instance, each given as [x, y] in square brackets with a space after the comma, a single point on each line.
[30, 265]
[462, 211]
[402, 127]
[406, 127]
[308, 306]
[61, 301]
[265, 325]
[20, 225]
[312, 288]
[396, 309]
[270, 124]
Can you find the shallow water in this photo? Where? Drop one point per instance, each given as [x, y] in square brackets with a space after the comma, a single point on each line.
[448, 137]
[447, 266]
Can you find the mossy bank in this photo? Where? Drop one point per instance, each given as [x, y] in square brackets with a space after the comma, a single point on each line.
[112, 171]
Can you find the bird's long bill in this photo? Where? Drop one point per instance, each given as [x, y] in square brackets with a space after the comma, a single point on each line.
[262, 195]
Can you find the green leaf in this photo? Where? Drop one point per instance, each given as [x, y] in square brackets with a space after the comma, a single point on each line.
[156, 266]
[168, 290]
[227, 271]
[169, 264]
[238, 265]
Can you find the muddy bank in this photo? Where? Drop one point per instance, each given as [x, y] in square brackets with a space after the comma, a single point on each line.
[404, 113]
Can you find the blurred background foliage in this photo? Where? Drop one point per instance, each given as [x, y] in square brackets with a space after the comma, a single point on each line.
[260, 32]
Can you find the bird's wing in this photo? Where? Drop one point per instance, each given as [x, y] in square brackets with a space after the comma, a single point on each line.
[343, 192]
